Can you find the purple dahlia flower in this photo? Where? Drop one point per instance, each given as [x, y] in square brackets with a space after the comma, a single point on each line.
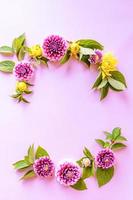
[44, 167]
[68, 173]
[23, 71]
[96, 57]
[54, 47]
[105, 159]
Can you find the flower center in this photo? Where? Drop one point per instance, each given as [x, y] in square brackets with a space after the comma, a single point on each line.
[54, 46]
[69, 174]
[46, 167]
[22, 70]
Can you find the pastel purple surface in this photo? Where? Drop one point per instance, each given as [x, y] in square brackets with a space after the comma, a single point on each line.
[65, 114]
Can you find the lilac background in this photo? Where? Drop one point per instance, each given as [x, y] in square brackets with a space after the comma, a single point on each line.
[65, 114]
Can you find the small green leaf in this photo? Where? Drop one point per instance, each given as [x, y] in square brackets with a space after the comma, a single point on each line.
[18, 46]
[28, 175]
[104, 175]
[80, 185]
[87, 153]
[41, 152]
[65, 57]
[24, 100]
[108, 135]
[21, 164]
[7, 66]
[118, 146]
[31, 154]
[6, 50]
[21, 53]
[116, 84]
[44, 60]
[107, 144]
[119, 77]
[28, 92]
[88, 43]
[85, 60]
[102, 84]
[116, 132]
[87, 172]
[104, 91]
[100, 142]
[98, 81]
[121, 139]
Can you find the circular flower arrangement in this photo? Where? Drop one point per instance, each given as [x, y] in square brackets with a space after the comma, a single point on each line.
[74, 174]
[56, 49]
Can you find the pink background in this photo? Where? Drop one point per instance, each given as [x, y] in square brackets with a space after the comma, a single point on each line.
[65, 114]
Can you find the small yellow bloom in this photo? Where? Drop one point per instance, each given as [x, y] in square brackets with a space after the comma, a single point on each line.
[21, 86]
[109, 64]
[35, 51]
[74, 48]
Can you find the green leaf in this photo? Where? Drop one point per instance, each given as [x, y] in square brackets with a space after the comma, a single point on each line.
[18, 46]
[92, 44]
[6, 50]
[7, 66]
[104, 91]
[107, 144]
[98, 81]
[100, 142]
[24, 100]
[104, 175]
[87, 172]
[87, 153]
[121, 139]
[31, 154]
[28, 175]
[43, 60]
[119, 77]
[80, 185]
[21, 164]
[116, 84]
[116, 132]
[65, 57]
[85, 60]
[118, 146]
[102, 84]
[41, 152]
[108, 135]
[21, 53]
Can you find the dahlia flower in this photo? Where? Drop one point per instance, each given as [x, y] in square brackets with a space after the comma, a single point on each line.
[108, 64]
[96, 57]
[105, 159]
[23, 71]
[44, 167]
[68, 173]
[54, 47]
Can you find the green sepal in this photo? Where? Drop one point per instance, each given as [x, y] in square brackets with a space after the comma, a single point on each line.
[65, 57]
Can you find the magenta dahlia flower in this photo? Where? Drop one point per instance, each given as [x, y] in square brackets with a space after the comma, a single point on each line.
[54, 47]
[23, 71]
[96, 57]
[68, 173]
[105, 159]
[44, 167]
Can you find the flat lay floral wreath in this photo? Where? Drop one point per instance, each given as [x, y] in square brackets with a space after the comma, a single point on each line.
[57, 49]
[74, 173]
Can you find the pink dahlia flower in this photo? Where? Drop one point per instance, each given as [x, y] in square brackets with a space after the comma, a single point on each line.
[54, 47]
[44, 167]
[23, 71]
[68, 173]
[105, 159]
[96, 57]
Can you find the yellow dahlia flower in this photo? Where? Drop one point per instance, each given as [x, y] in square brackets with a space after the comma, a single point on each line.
[109, 64]
[74, 48]
[35, 51]
[21, 86]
